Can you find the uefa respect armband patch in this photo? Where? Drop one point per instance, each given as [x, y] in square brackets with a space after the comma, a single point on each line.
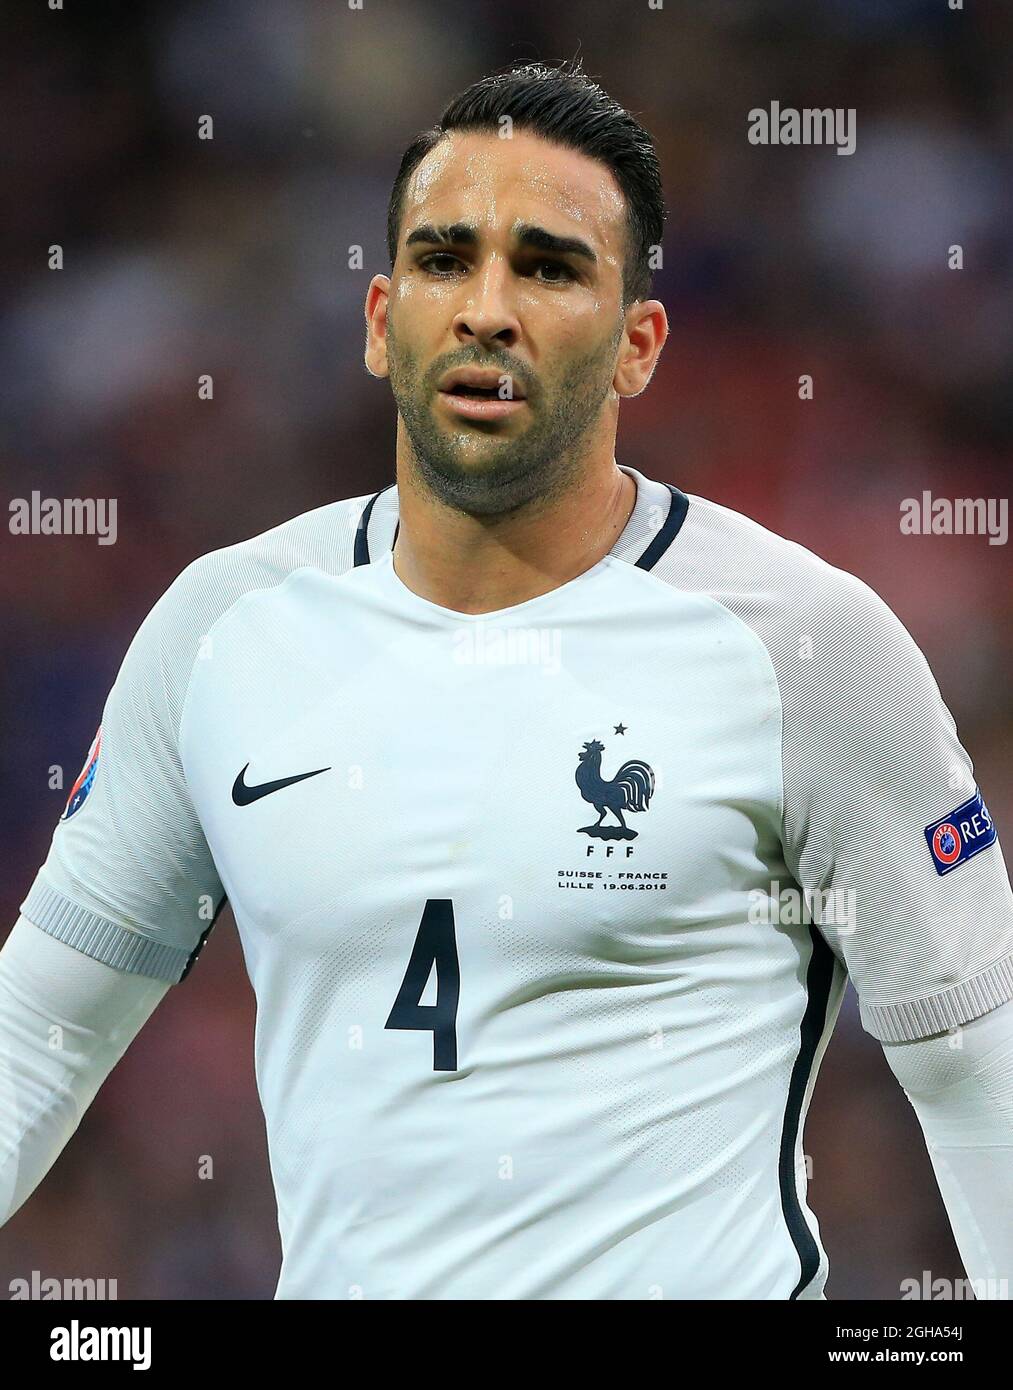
[960, 835]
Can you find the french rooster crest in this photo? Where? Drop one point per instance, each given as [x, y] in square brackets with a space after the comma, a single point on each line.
[630, 789]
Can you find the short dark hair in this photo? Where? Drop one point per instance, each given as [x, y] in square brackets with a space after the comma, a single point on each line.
[566, 106]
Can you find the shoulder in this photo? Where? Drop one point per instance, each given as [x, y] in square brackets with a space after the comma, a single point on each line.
[806, 611]
[322, 539]
[166, 644]
[736, 554]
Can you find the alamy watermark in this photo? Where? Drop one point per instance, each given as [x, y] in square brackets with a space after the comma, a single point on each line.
[958, 516]
[486, 644]
[812, 125]
[794, 906]
[936, 1290]
[47, 1287]
[81, 1342]
[64, 516]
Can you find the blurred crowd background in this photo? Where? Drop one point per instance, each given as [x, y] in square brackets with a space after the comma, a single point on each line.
[231, 257]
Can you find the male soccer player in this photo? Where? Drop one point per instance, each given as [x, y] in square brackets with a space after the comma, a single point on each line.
[504, 771]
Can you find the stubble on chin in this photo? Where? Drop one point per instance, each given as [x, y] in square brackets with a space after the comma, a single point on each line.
[532, 469]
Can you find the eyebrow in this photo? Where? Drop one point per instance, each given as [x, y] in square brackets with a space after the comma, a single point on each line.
[463, 234]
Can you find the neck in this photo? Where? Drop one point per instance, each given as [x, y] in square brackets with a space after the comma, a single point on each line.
[481, 564]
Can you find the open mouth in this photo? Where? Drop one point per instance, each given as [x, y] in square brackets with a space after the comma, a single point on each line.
[489, 393]
[477, 382]
[480, 400]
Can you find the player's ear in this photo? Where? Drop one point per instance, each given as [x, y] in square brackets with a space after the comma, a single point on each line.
[376, 325]
[646, 331]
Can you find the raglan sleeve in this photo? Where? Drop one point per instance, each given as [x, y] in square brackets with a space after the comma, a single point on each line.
[129, 878]
[885, 825]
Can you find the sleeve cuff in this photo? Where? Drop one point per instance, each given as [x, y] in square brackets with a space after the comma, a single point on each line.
[121, 947]
[938, 1013]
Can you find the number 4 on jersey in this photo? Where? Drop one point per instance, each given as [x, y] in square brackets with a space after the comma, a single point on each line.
[435, 944]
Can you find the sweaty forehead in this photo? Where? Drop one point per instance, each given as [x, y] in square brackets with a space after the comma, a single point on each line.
[479, 178]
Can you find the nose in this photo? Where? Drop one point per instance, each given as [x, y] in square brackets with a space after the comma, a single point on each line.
[486, 316]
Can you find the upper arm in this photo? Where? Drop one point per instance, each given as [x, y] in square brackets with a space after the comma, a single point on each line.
[872, 760]
[129, 878]
[64, 985]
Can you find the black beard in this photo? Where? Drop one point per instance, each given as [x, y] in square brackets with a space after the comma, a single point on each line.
[541, 464]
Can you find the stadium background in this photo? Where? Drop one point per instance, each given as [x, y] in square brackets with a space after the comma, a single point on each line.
[231, 257]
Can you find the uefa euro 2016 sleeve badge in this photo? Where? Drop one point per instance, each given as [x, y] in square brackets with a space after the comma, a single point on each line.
[86, 777]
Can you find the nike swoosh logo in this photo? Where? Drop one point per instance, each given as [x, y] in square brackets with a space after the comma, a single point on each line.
[242, 795]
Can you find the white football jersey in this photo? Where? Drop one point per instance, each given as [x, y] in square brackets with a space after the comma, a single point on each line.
[540, 1005]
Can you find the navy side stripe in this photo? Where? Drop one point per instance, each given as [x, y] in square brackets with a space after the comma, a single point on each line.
[203, 940]
[818, 981]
